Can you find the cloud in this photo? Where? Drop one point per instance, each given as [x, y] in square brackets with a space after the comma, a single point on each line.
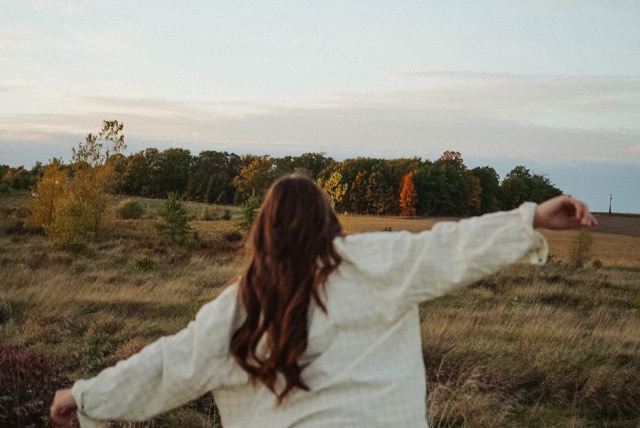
[535, 98]
[474, 113]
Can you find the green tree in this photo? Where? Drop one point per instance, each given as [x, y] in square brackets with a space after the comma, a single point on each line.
[542, 189]
[516, 187]
[472, 189]
[16, 178]
[491, 198]
[520, 186]
[249, 210]
[453, 197]
[175, 222]
[211, 178]
[430, 182]
[173, 169]
[141, 173]
[314, 163]
[311, 164]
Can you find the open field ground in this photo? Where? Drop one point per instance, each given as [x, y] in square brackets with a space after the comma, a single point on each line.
[540, 346]
[620, 224]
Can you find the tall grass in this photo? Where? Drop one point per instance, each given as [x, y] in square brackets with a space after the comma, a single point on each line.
[548, 346]
[536, 346]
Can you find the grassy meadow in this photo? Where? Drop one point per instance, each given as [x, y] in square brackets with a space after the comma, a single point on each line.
[542, 346]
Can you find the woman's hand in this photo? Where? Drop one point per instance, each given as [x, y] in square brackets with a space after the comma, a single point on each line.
[63, 408]
[563, 212]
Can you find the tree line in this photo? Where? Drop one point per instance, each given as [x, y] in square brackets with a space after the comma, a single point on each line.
[405, 186]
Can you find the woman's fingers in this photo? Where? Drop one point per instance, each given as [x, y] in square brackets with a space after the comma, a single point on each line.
[563, 212]
[63, 408]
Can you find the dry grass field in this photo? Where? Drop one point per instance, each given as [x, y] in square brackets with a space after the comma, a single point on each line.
[541, 346]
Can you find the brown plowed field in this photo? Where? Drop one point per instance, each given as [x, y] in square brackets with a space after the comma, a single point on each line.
[620, 224]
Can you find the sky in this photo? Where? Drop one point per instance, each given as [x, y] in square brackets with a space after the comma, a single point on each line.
[549, 84]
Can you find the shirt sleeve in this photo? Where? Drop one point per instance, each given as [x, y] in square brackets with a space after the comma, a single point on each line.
[166, 374]
[416, 267]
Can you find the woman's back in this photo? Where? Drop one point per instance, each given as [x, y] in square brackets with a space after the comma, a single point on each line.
[363, 362]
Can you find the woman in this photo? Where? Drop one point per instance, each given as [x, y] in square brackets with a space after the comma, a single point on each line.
[321, 329]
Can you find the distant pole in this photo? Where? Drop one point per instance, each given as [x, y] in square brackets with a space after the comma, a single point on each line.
[610, 198]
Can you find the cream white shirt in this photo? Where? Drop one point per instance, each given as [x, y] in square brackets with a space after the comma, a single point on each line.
[363, 363]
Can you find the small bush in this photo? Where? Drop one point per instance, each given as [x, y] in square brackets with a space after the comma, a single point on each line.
[580, 249]
[233, 236]
[145, 260]
[75, 224]
[28, 382]
[208, 214]
[130, 209]
[95, 353]
[175, 226]
[71, 210]
[249, 210]
[226, 215]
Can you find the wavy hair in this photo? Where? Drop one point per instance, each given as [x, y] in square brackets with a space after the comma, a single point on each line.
[291, 255]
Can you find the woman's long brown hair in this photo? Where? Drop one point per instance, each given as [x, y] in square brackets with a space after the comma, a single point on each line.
[291, 256]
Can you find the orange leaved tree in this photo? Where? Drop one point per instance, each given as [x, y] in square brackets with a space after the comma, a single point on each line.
[408, 196]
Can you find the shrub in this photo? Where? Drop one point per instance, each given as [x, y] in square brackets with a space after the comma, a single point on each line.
[233, 236]
[226, 215]
[145, 260]
[95, 353]
[580, 249]
[75, 224]
[207, 214]
[130, 209]
[28, 382]
[175, 226]
[71, 211]
[248, 212]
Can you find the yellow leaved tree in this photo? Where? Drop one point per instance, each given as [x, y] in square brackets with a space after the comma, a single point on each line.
[71, 202]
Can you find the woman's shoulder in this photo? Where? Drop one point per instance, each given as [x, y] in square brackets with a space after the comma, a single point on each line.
[358, 244]
[221, 309]
[375, 253]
